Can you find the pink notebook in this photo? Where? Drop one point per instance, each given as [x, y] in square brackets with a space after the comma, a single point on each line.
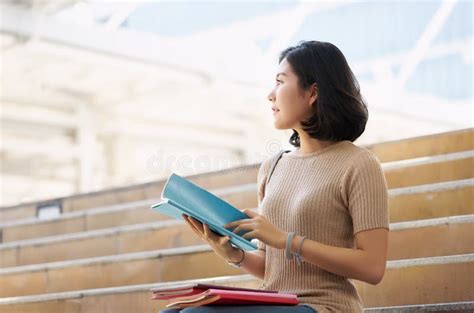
[164, 293]
[227, 297]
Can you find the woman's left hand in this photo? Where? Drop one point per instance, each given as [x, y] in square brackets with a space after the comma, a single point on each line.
[260, 228]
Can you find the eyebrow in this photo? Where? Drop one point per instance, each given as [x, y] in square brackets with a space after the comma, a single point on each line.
[282, 73]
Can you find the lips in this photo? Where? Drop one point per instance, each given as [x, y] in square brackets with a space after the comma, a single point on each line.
[275, 110]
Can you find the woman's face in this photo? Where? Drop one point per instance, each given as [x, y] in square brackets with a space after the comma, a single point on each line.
[290, 104]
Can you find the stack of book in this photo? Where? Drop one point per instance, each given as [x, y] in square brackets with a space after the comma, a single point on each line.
[196, 294]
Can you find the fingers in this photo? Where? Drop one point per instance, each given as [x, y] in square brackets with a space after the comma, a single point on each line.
[197, 230]
[209, 233]
[249, 235]
[235, 223]
[193, 228]
[214, 236]
[196, 224]
[202, 230]
[243, 226]
[250, 212]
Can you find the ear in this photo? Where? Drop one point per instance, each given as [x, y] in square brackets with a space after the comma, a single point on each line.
[313, 94]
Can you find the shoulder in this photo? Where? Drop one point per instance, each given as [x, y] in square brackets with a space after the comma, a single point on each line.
[267, 163]
[362, 164]
[365, 157]
[361, 155]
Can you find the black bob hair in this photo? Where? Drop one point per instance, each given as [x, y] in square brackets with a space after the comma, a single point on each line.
[339, 112]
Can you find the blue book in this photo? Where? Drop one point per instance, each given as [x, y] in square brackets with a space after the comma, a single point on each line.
[180, 196]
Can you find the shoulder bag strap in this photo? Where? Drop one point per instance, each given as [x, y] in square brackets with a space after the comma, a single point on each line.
[280, 154]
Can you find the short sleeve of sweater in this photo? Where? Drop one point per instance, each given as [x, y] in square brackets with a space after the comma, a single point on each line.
[261, 179]
[365, 193]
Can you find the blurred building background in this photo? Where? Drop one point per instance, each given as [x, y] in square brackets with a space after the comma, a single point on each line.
[98, 94]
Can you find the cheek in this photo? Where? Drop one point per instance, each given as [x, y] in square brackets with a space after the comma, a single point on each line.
[300, 110]
[294, 110]
[285, 98]
[290, 116]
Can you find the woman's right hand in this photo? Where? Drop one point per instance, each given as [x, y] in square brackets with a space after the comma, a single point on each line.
[220, 244]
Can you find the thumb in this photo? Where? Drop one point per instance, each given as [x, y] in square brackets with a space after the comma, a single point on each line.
[250, 212]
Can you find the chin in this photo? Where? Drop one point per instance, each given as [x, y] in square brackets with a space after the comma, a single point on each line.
[280, 126]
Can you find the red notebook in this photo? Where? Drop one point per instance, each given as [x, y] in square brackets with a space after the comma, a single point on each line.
[201, 294]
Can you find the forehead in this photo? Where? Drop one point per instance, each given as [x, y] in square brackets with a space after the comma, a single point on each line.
[284, 67]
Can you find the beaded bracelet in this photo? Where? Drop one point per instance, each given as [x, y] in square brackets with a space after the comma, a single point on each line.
[298, 251]
[289, 240]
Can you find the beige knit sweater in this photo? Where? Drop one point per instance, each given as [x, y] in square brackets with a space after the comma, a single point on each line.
[328, 196]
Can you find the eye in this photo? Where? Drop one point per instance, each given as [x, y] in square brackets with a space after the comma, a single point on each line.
[279, 81]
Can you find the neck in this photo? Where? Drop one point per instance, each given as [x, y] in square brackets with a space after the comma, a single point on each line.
[310, 145]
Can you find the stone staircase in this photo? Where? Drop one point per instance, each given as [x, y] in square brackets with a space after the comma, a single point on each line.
[107, 249]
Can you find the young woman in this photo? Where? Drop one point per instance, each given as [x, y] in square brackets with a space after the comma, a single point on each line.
[323, 215]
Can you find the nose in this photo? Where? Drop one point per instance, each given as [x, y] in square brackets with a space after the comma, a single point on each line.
[271, 96]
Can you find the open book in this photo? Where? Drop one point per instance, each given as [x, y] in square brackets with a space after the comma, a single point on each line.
[192, 295]
[180, 196]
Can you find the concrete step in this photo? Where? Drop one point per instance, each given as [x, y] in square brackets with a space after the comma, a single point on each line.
[414, 239]
[453, 235]
[450, 307]
[109, 241]
[422, 281]
[428, 170]
[437, 282]
[123, 299]
[431, 201]
[241, 196]
[410, 148]
[405, 204]
[431, 145]
[129, 194]
[116, 270]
